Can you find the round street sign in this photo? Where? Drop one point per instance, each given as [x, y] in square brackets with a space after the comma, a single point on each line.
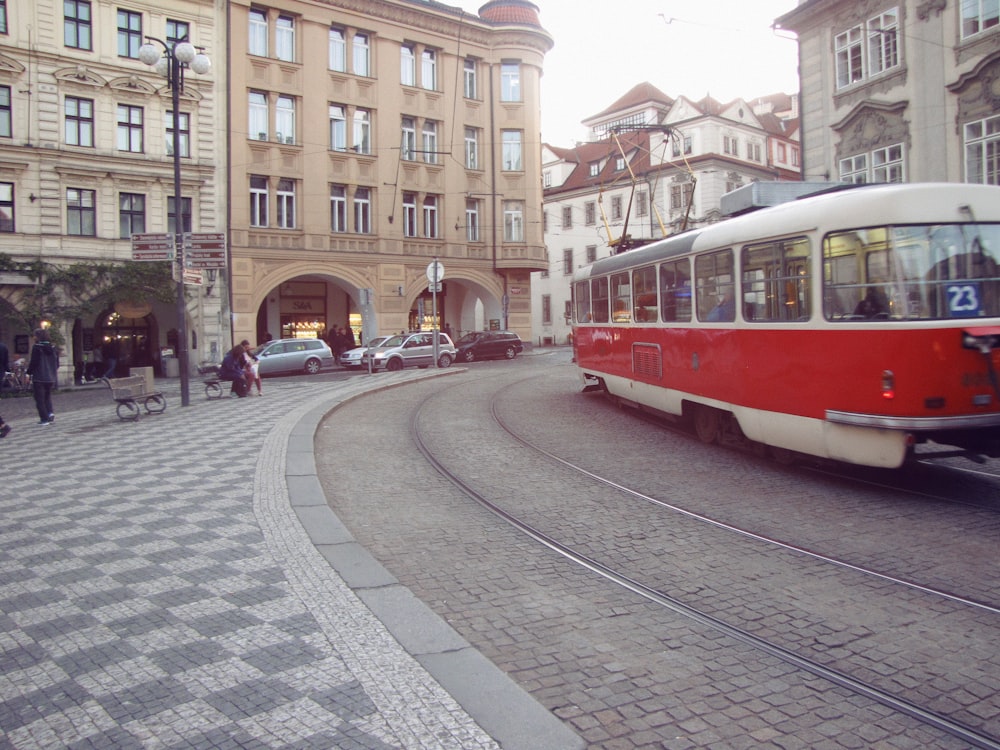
[435, 271]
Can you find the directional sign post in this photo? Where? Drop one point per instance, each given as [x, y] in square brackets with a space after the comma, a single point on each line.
[205, 250]
[153, 246]
[435, 273]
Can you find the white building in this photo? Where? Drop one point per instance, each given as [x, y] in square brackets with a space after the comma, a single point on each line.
[656, 166]
[899, 90]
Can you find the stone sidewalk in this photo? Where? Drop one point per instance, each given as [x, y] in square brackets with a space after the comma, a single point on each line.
[161, 586]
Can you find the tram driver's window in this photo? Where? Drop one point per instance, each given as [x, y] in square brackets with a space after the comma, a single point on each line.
[716, 287]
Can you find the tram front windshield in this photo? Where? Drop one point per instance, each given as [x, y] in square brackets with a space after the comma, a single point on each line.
[913, 272]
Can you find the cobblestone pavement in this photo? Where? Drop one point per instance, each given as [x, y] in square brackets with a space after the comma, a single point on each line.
[157, 588]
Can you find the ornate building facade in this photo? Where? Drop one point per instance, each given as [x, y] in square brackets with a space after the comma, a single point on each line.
[899, 90]
[86, 160]
[369, 138]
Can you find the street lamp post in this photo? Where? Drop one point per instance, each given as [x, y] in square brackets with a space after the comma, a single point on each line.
[171, 61]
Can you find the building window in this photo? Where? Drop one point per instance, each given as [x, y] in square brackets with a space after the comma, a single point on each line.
[471, 220]
[284, 119]
[513, 221]
[131, 214]
[77, 28]
[130, 128]
[887, 164]
[730, 145]
[510, 82]
[257, 40]
[430, 147]
[867, 49]
[567, 262]
[680, 195]
[184, 121]
[753, 152]
[619, 164]
[616, 208]
[79, 121]
[471, 148]
[6, 206]
[428, 70]
[172, 215]
[362, 131]
[546, 309]
[430, 216]
[361, 55]
[409, 214]
[880, 165]
[407, 65]
[129, 33]
[338, 208]
[590, 213]
[338, 128]
[258, 201]
[511, 150]
[409, 139]
[595, 168]
[81, 212]
[3, 16]
[979, 15]
[982, 151]
[470, 89]
[6, 113]
[284, 39]
[567, 217]
[338, 51]
[285, 197]
[591, 253]
[641, 203]
[362, 211]
[257, 116]
[177, 32]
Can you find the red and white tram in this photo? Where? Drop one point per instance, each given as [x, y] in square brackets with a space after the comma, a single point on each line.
[849, 325]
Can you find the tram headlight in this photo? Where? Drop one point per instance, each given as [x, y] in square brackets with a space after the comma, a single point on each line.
[888, 384]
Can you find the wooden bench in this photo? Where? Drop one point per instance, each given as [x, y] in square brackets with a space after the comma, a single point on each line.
[130, 392]
[210, 377]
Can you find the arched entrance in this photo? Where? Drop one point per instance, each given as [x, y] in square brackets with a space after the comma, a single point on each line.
[127, 334]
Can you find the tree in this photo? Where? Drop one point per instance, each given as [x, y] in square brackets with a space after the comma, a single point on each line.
[61, 294]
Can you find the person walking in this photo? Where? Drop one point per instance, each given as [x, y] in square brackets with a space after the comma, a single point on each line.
[43, 367]
[4, 428]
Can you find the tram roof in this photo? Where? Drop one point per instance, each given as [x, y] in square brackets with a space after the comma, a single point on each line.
[863, 206]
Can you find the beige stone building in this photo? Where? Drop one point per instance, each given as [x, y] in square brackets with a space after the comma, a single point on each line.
[369, 137]
[86, 160]
[899, 90]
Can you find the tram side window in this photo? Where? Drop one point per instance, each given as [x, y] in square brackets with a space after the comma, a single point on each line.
[621, 302]
[776, 282]
[644, 294]
[581, 297]
[675, 291]
[599, 299]
[715, 286]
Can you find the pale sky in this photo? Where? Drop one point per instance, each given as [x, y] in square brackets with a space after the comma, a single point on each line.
[725, 48]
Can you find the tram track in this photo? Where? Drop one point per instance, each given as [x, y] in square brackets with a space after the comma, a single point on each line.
[610, 571]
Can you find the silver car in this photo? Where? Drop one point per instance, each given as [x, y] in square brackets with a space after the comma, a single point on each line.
[352, 357]
[410, 350]
[293, 355]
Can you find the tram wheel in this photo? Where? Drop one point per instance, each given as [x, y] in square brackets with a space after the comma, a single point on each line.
[706, 424]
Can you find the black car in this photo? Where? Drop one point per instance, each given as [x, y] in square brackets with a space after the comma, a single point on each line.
[488, 345]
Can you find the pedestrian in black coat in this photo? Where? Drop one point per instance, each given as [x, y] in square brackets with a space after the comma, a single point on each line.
[43, 367]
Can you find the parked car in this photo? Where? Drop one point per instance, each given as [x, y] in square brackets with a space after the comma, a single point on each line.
[409, 350]
[488, 345]
[293, 355]
[352, 357]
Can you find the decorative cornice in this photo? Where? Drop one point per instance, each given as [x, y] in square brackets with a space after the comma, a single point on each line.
[925, 9]
[80, 75]
[133, 84]
[10, 65]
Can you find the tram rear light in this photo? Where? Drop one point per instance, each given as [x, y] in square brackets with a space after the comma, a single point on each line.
[888, 384]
